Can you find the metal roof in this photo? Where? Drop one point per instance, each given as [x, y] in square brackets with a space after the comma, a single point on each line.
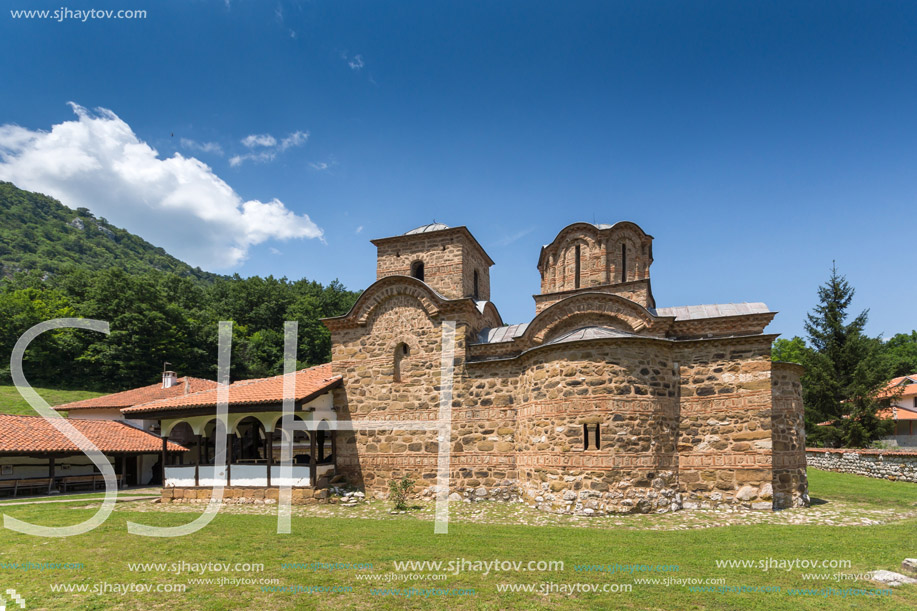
[501, 334]
[427, 228]
[714, 310]
[589, 333]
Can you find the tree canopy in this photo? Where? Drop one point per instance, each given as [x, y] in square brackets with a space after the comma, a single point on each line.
[159, 316]
[845, 369]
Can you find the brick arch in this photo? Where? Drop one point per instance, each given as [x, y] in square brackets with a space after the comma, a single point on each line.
[617, 311]
[587, 319]
[491, 316]
[395, 286]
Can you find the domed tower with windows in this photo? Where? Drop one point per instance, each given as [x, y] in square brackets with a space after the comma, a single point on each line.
[585, 257]
[448, 259]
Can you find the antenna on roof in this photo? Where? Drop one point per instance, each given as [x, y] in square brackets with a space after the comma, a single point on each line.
[165, 366]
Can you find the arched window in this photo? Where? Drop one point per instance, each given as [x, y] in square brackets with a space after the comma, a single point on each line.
[623, 262]
[182, 434]
[417, 270]
[477, 294]
[301, 444]
[402, 351]
[577, 270]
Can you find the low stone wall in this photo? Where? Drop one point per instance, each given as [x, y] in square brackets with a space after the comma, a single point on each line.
[244, 495]
[885, 464]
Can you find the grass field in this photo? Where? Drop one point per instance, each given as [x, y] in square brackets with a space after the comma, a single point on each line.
[11, 402]
[334, 534]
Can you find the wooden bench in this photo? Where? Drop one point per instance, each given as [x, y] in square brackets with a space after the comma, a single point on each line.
[9, 484]
[94, 481]
[41, 484]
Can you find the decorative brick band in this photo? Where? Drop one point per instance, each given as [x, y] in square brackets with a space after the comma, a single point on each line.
[593, 405]
[759, 399]
[734, 460]
[593, 461]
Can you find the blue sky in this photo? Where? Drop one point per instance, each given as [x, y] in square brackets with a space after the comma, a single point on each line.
[757, 142]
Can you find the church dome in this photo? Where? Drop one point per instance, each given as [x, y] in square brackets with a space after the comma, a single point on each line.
[427, 228]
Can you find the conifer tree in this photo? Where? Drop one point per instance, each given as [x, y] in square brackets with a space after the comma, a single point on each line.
[844, 372]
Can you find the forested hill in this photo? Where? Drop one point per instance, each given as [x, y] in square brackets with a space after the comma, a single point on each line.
[38, 233]
[61, 263]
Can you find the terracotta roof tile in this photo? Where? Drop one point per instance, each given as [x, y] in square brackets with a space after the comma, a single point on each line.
[28, 434]
[248, 392]
[145, 394]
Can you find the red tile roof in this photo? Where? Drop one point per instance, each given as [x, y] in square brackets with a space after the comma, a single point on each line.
[34, 434]
[894, 387]
[145, 394]
[896, 413]
[309, 382]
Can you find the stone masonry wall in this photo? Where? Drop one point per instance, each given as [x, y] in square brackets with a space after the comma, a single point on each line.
[696, 423]
[791, 488]
[244, 495]
[449, 259]
[637, 291]
[891, 465]
[627, 390]
[441, 256]
[366, 358]
[724, 444]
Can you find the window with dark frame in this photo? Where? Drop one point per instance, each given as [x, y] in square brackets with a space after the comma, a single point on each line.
[623, 262]
[597, 438]
[577, 266]
[417, 270]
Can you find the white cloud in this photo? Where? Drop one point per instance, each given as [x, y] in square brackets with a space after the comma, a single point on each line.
[203, 147]
[356, 63]
[98, 162]
[262, 157]
[268, 147]
[255, 140]
[294, 139]
[359, 229]
[274, 251]
[321, 166]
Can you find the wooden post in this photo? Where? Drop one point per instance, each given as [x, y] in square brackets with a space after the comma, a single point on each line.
[229, 437]
[312, 469]
[197, 462]
[50, 473]
[270, 454]
[334, 450]
[165, 450]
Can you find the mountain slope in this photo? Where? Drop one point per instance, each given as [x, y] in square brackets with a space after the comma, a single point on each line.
[39, 233]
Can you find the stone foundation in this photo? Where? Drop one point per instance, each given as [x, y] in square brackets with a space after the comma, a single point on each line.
[891, 465]
[244, 495]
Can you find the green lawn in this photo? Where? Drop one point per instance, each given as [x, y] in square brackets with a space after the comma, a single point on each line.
[11, 402]
[250, 538]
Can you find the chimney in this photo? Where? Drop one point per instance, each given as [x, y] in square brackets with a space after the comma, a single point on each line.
[169, 379]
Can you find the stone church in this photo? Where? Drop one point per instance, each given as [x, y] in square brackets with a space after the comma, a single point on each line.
[602, 403]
